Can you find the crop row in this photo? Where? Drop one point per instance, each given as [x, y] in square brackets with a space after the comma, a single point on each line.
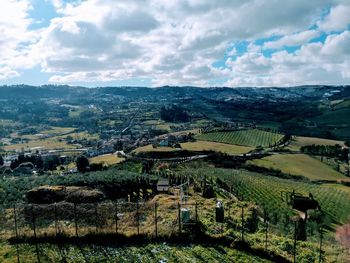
[251, 137]
[266, 192]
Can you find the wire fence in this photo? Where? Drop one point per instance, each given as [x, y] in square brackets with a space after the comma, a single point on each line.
[24, 221]
[151, 219]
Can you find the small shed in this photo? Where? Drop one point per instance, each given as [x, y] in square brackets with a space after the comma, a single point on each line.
[163, 185]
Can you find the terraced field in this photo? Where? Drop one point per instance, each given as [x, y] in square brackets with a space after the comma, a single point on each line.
[251, 137]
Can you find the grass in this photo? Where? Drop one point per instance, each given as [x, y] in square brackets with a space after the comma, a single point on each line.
[299, 164]
[153, 252]
[149, 148]
[56, 139]
[251, 137]
[305, 141]
[58, 131]
[200, 146]
[107, 159]
[215, 146]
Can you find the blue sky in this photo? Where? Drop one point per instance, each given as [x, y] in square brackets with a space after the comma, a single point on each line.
[187, 42]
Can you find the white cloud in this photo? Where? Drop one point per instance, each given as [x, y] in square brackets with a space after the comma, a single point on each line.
[292, 40]
[338, 19]
[15, 37]
[176, 42]
[171, 42]
[314, 63]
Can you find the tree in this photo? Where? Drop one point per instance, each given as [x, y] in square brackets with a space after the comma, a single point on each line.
[82, 164]
[1, 161]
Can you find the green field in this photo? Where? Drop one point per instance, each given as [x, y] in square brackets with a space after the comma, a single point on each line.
[251, 137]
[106, 159]
[300, 164]
[266, 191]
[200, 146]
[300, 141]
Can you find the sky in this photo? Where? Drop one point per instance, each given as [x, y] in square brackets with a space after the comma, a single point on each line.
[154, 43]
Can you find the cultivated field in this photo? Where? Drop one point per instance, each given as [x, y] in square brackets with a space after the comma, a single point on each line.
[305, 141]
[215, 146]
[300, 164]
[266, 192]
[42, 144]
[200, 146]
[252, 137]
[107, 159]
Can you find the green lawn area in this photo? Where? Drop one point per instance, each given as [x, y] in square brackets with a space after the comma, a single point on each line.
[215, 146]
[300, 164]
[199, 146]
[250, 137]
[305, 141]
[108, 159]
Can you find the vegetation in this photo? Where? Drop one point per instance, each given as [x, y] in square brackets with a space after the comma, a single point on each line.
[299, 142]
[266, 192]
[335, 151]
[82, 164]
[200, 146]
[106, 159]
[174, 113]
[252, 137]
[300, 164]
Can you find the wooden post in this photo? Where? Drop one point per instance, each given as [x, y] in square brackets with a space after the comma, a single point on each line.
[75, 219]
[156, 218]
[33, 222]
[116, 217]
[138, 217]
[35, 236]
[321, 237]
[295, 241]
[15, 218]
[242, 226]
[229, 210]
[96, 218]
[179, 215]
[16, 231]
[56, 223]
[266, 229]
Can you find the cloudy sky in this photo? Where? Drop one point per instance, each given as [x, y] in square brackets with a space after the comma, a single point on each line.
[178, 42]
